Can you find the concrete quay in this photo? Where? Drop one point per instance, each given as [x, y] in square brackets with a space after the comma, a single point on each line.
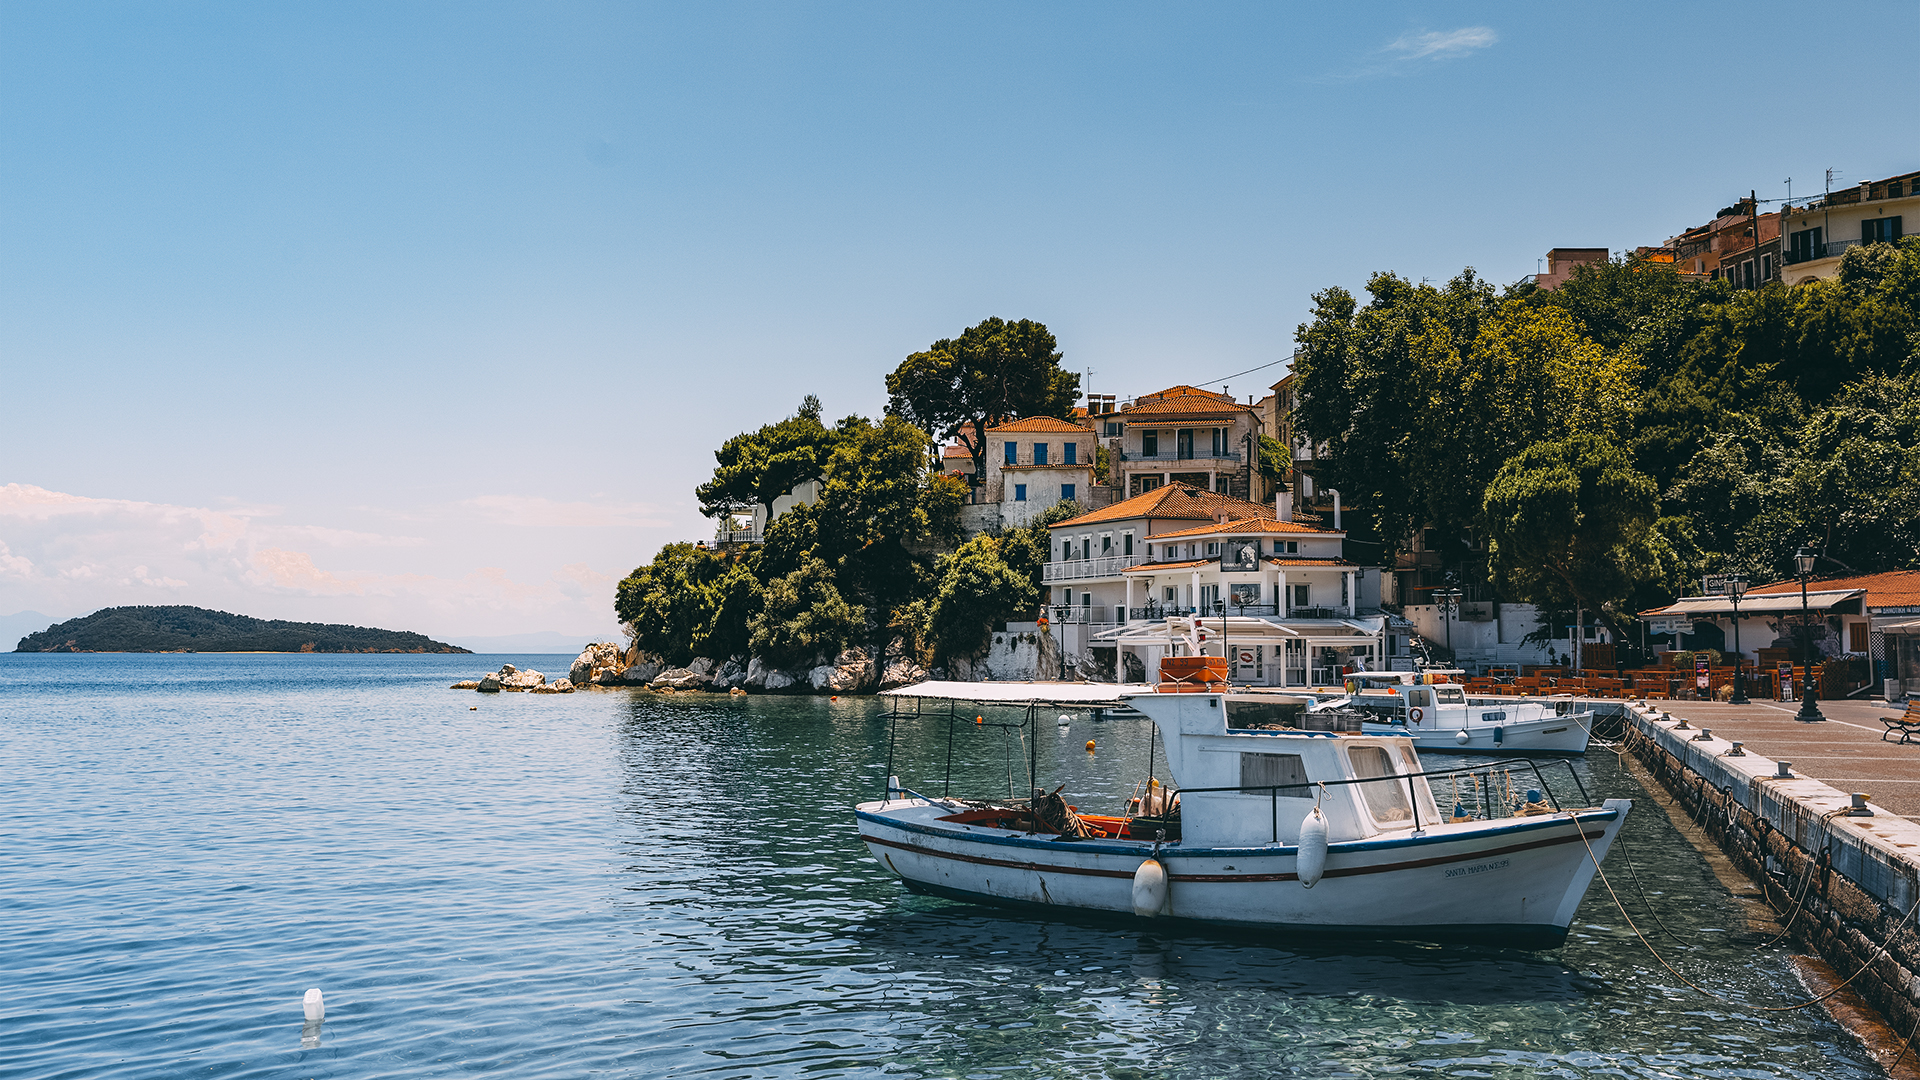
[1847, 752]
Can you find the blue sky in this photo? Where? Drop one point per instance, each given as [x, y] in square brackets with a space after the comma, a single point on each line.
[430, 315]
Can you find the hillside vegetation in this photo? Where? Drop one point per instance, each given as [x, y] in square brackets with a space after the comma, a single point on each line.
[192, 629]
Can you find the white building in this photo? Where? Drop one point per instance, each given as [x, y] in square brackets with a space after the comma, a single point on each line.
[1294, 611]
[1819, 233]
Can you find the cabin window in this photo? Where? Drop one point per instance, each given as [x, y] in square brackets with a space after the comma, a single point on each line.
[1450, 695]
[1258, 772]
[1386, 800]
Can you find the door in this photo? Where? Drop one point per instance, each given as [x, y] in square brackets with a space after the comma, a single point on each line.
[1296, 662]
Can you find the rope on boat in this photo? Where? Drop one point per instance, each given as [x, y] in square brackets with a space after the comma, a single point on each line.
[1580, 831]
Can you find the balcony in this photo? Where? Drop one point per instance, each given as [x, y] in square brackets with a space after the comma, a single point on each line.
[1174, 455]
[748, 535]
[1832, 249]
[1077, 569]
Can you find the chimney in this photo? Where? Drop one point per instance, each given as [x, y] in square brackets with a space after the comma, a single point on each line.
[1283, 506]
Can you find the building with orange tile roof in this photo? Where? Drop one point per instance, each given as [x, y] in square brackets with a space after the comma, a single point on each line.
[1296, 611]
[1188, 435]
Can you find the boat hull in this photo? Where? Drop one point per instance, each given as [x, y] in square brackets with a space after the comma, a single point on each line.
[1550, 736]
[1515, 882]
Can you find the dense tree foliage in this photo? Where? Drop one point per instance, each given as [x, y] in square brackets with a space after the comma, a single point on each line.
[1607, 442]
[993, 372]
[757, 467]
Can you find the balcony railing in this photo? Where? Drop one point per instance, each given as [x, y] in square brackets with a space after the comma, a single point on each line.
[1175, 455]
[1076, 569]
[737, 536]
[1156, 612]
[1832, 249]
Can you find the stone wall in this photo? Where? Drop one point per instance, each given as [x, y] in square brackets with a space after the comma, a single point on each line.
[1865, 871]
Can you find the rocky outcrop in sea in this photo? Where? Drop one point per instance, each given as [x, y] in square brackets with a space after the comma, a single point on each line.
[605, 664]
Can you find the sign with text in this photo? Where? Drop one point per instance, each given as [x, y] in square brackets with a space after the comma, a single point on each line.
[1670, 624]
[1240, 555]
[1786, 681]
[1702, 674]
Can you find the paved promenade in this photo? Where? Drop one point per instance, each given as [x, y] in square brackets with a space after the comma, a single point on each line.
[1845, 752]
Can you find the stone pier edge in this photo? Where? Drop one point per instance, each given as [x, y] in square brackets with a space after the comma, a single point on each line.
[1866, 870]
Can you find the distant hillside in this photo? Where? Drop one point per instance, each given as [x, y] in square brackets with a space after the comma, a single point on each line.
[192, 629]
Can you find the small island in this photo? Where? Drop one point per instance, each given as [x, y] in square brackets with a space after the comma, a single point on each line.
[193, 629]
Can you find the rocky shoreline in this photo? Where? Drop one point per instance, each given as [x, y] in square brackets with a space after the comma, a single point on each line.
[606, 665]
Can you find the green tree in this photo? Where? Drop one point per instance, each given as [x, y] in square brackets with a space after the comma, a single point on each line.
[993, 372]
[668, 604]
[803, 618]
[1569, 520]
[756, 467]
[979, 589]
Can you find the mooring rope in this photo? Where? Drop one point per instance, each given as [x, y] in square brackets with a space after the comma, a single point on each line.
[1580, 830]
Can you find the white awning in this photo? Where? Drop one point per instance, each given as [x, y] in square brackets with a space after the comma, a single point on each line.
[1709, 607]
[1912, 627]
[1246, 629]
[1020, 693]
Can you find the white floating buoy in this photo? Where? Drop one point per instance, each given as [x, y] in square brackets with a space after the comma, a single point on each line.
[315, 1005]
[1462, 737]
[1065, 719]
[1149, 888]
[1312, 861]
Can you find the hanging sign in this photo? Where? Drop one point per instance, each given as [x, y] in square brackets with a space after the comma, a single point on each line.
[1246, 656]
[1702, 674]
[1786, 680]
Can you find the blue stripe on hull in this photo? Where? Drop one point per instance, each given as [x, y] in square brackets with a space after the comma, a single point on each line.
[1528, 936]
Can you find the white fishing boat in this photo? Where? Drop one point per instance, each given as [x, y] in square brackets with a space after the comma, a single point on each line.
[1436, 712]
[1259, 825]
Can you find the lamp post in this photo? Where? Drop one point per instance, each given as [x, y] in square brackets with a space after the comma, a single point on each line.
[1803, 560]
[1449, 605]
[1736, 587]
[1226, 647]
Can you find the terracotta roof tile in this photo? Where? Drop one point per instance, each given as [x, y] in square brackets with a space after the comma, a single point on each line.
[1894, 588]
[1042, 423]
[954, 451]
[1283, 563]
[1174, 500]
[1250, 525]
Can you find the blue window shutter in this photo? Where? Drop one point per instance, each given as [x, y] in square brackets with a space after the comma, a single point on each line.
[1019, 493]
[1066, 490]
[1039, 453]
[1013, 452]
[1070, 454]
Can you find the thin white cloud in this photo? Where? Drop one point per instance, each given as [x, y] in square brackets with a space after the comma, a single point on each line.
[66, 552]
[1442, 44]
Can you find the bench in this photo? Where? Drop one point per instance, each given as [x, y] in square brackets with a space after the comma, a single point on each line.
[1907, 725]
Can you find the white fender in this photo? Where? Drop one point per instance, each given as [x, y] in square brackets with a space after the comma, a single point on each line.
[1149, 888]
[1462, 737]
[1312, 860]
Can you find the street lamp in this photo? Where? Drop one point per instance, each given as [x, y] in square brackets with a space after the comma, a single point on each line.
[1735, 588]
[1803, 560]
[1449, 605]
[1226, 648]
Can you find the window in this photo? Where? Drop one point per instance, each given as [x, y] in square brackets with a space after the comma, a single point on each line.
[1149, 444]
[1066, 492]
[1880, 230]
[1039, 453]
[1302, 596]
[1284, 771]
[1219, 442]
[1106, 543]
[1019, 493]
[1746, 274]
[1126, 543]
[1213, 548]
[1013, 452]
[1209, 596]
[1804, 245]
[1766, 268]
[1109, 429]
[1386, 801]
[1857, 637]
[1293, 547]
[1070, 453]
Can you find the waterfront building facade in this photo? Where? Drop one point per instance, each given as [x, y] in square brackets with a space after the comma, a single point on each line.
[1819, 232]
[1296, 612]
[1183, 435]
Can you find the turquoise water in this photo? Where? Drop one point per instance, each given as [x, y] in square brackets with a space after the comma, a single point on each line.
[614, 884]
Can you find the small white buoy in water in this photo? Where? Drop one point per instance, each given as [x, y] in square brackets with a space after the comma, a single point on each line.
[1312, 861]
[1149, 888]
[315, 1005]
[1065, 719]
[1462, 737]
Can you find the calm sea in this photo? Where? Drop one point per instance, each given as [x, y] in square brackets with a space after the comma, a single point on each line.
[614, 884]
